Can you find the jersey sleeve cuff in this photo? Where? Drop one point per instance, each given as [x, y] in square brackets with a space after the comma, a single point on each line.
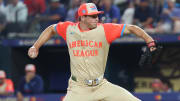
[124, 26]
[55, 28]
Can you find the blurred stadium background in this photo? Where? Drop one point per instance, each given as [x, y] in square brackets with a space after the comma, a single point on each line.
[159, 81]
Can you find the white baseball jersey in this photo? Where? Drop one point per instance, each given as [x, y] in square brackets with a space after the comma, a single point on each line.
[88, 49]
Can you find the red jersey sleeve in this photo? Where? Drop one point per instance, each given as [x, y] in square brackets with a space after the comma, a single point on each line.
[113, 31]
[61, 28]
[10, 86]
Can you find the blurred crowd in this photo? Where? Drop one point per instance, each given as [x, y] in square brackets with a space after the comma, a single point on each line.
[30, 84]
[29, 16]
[161, 85]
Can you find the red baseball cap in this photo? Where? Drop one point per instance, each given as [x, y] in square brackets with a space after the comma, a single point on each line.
[30, 67]
[88, 9]
[2, 74]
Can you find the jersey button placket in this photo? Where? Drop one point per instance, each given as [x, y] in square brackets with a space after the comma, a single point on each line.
[82, 38]
[86, 58]
[83, 47]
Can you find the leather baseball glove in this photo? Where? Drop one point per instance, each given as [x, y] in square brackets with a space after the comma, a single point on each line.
[148, 56]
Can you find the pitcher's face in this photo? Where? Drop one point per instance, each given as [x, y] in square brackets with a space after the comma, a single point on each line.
[91, 21]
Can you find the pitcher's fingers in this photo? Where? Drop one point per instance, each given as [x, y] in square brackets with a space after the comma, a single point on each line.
[30, 53]
[33, 54]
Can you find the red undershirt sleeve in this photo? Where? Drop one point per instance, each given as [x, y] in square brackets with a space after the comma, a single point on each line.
[61, 28]
[113, 31]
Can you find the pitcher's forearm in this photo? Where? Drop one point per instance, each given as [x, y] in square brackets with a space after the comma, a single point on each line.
[140, 33]
[44, 37]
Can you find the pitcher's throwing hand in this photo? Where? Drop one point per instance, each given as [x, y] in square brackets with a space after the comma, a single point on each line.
[33, 52]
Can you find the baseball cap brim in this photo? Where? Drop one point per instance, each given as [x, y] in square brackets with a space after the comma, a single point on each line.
[94, 13]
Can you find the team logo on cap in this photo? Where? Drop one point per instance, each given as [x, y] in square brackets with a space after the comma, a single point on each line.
[83, 11]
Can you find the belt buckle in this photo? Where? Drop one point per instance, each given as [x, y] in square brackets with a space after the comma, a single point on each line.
[96, 82]
[92, 82]
[89, 82]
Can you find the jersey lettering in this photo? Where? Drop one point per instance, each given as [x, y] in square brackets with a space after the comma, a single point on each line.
[85, 43]
[85, 53]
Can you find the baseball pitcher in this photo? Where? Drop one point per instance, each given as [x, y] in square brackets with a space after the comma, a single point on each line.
[88, 43]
